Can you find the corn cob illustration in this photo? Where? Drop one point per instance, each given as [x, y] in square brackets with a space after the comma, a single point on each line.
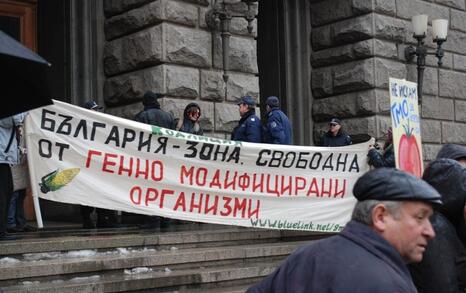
[57, 179]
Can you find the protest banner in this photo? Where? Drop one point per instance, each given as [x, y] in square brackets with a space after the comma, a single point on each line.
[90, 158]
[406, 126]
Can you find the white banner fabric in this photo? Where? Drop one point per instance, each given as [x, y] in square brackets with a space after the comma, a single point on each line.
[89, 158]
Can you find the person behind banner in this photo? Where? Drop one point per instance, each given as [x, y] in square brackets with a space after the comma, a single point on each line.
[387, 157]
[389, 228]
[20, 174]
[335, 136]
[105, 218]
[453, 151]
[9, 155]
[443, 268]
[277, 130]
[154, 115]
[189, 123]
[249, 127]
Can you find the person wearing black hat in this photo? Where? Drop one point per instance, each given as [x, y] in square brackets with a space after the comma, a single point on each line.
[249, 127]
[278, 128]
[92, 105]
[154, 115]
[443, 268]
[453, 151]
[335, 136]
[105, 218]
[389, 228]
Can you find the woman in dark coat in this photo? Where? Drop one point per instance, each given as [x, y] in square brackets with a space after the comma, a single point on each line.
[443, 268]
[189, 123]
[387, 157]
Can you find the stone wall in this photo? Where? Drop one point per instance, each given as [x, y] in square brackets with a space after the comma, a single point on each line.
[165, 46]
[358, 44]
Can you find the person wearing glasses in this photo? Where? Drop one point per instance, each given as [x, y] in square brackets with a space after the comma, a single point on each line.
[335, 136]
[189, 123]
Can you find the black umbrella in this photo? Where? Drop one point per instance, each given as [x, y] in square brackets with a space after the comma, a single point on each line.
[22, 78]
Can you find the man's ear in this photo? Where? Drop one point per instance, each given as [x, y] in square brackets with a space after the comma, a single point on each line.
[379, 217]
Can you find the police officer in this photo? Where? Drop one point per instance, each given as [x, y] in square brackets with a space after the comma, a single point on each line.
[249, 127]
[335, 136]
[278, 127]
[390, 227]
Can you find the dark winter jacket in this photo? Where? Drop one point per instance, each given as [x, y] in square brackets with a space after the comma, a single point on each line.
[443, 267]
[187, 125]
[356, 260]
[249, 128]
[278, 128]
[153, 115]
[386, 159]
[341, 139]
[452, 151]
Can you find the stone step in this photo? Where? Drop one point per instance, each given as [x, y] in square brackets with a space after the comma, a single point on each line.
[202, 279]
[144, 238]
[92, 261]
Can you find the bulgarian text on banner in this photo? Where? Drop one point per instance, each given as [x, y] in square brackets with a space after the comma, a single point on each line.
[89, 158]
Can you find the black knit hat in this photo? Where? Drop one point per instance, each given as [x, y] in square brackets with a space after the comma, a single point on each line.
[150, 98]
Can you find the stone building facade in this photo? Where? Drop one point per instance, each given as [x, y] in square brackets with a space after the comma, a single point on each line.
[358, 44]
[323, 58]
[354, 47]
[166, 46]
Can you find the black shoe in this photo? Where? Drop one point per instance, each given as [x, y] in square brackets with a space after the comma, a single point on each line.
[5, 237]
[150, 226]
[88, 224]
[13, 229]
[28, 228]
[106, 225]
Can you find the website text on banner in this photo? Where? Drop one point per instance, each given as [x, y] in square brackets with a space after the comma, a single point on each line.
[90, 158]
[406, 124]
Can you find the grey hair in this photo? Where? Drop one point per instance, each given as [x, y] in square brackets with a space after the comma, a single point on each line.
[363, 210]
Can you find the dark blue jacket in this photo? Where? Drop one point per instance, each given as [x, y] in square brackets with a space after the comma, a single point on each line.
[278, 128]
[249, 128]
[341, 139]
[356, 260]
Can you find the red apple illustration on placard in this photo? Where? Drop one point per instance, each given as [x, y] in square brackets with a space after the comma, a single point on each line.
[409, 157]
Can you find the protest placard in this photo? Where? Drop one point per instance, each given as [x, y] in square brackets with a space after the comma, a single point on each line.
[406, 126]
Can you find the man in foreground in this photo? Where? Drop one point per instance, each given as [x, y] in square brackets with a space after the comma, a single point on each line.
[389, 228]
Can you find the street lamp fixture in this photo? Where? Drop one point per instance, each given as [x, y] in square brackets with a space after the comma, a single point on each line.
[439, 34]
[219, 18]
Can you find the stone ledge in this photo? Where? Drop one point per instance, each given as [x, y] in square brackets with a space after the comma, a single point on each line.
[144, 258]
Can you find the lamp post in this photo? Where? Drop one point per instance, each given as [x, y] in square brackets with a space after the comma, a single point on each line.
[220, 17]
[439, 32]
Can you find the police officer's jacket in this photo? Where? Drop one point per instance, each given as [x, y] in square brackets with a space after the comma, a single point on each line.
[341, 139]
[278, 128]
[249, 128]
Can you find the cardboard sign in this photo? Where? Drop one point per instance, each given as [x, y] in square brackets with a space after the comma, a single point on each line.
[406, 125]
